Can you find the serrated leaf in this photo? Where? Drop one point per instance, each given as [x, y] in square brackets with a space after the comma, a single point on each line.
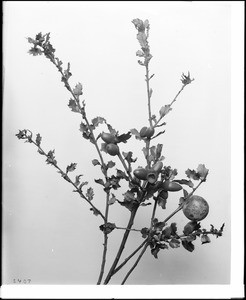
[71, 167]
[96, 121]
[142, 38]
[73, 105]
[136, 133]
[192, 174]
[38, 139]
[78, 89]
[124, 137]
[90, 193]
[202, 171]
[95, 162]
[165, 110]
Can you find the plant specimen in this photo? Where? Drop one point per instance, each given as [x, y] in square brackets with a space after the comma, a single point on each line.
[148, 185]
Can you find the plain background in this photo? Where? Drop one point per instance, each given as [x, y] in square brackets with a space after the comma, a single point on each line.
[49, 235]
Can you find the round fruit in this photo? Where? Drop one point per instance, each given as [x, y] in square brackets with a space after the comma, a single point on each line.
[112, 149]
[108, 138]
[147, 132]
[196, 208]
[141, 173]
[158, 166]
[171, 186]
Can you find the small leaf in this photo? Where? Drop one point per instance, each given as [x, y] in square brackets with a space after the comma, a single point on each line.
[192, 174]
[71, 167]
[202, 171]
[128, 157]
[145, 232]
[205, 239]
[121, 175]
[107, 228]
[155, 251]
[78, 89]
[136, 133]
[158, 151]
[99, 181]
[95, 211]
[165, 110]
[188, 245]
[124, 137]
[96, 121]
[140, 53]
[95, 162]
[38, 139]
[112, 199]
[162, 202]
[77, 180]
[73, 105]
[90, 193]
[110, 164]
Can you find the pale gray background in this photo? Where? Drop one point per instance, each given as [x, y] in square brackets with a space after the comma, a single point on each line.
[49, 235]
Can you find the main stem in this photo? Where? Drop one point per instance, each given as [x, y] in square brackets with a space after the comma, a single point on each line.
[122, 245]
[148, 92]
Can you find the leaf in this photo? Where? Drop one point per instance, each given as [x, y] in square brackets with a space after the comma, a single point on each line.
[71, 167]
[77, 180]
[174, 243]
[202, 171]
[95, 211]
[121, 175]
[145, 232]
[158, 151]
[73, 105]
[192, 174]
[162, 202]
[136, 133]
[155, 251]
[186, 182]
[51, 158]
[188, 245]
[83, 184]
[112, 199]
[129, 196]
[95, 162]
[107, 228]
[78, 89]
[110, 164]
[99, 181]
[124, 137]
[205, 239]
[90, 194]
[142, 38]
[145, 152]
[96, 121]
[140, 53]
[165, 110]
[103, 147]
[111, 129]
[128, 157]
[38, 139]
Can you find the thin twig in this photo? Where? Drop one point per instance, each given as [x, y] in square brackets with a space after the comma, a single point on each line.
[136, 263]
[130, 256]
